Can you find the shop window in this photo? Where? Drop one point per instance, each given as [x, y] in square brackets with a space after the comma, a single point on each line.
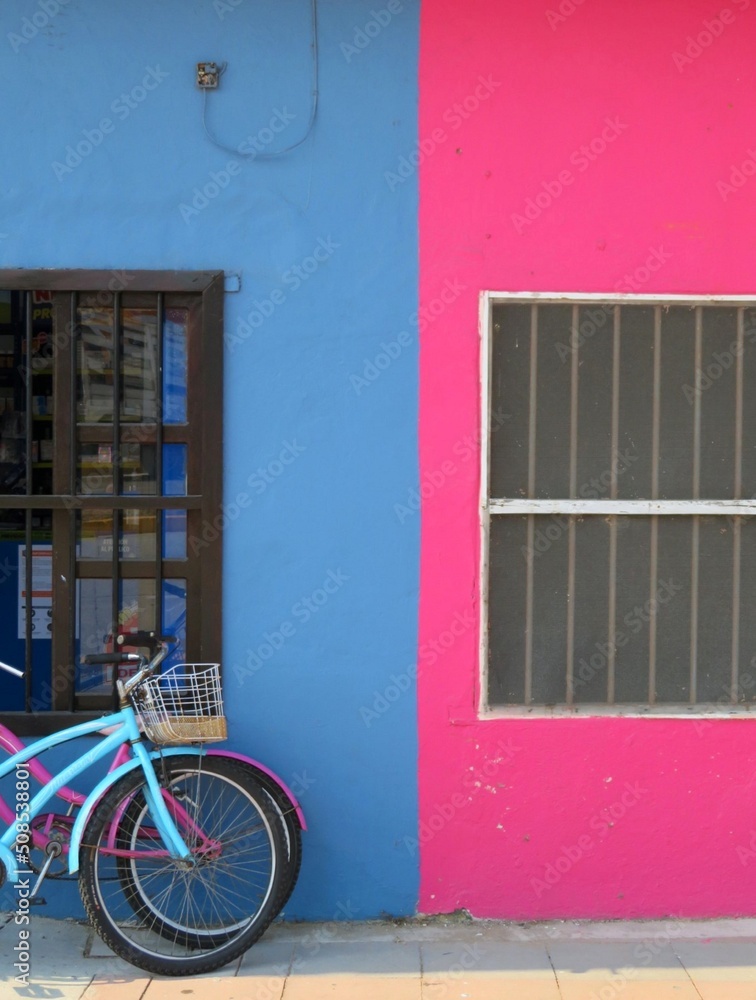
[619, 476]
[110, 445]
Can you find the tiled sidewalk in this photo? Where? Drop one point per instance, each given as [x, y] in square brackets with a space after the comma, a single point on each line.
[417, 960]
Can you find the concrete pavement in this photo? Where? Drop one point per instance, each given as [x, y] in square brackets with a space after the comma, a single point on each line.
[423, 959]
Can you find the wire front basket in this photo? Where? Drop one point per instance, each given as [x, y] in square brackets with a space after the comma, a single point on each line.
[183, 705]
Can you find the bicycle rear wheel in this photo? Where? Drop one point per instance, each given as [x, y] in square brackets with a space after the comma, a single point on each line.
[293, 830]
[172, 917]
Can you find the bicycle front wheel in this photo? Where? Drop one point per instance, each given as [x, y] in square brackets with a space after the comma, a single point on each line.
[172, 917]
[136, 827]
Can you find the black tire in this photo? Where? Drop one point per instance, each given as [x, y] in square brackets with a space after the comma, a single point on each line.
[165, 916]
[293, 830]
[131, 828]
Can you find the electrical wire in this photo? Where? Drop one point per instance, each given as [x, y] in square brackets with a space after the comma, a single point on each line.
[272, 154]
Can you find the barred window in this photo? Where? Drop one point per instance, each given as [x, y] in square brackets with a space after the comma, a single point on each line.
[110, 443]
[619, 547]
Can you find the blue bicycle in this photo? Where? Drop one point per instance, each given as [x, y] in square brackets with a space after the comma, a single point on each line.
[184, 855]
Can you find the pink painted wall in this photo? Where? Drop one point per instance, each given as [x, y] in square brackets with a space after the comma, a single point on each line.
[689, 790]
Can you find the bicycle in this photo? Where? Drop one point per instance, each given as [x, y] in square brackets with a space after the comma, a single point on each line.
[154, 841]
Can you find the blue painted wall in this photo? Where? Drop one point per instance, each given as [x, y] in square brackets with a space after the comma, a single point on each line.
[328, 257]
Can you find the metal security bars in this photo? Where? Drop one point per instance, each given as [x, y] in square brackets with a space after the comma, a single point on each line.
[110, 445]
[617, 492]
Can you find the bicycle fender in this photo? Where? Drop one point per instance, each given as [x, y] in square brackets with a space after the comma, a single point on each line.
[270, 774]
[99, 790]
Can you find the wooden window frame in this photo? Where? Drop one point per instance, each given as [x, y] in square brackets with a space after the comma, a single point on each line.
[204, 633]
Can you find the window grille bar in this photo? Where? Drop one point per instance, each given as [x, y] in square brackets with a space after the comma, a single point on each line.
[734, 678]
[28, 390]
[570, 610]
[73, 588]
[95, 501]
[645, 508]
[653, 573]
[116, 464]
[28, 581]
[160, 314]
[615, 402]
[117, 344]
[159, 516]
[574, 386]
[528, 694]
[739, 406]
[533, 409]
[574, 347]
[654, 554]
[694, 559]
[73, 440]
[612, 623]
[737, 523]
[696, 489]
[532, 416]
[656, 418]
[74, 421]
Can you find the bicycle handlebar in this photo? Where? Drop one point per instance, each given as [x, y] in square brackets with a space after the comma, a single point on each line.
[151, 640]
[111, 658]
[158, 648]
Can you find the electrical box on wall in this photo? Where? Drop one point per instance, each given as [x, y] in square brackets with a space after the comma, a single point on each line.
[208, 75]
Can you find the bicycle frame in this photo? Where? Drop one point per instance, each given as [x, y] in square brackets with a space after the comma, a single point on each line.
[126, 731]
[40, 835]
[12, 744]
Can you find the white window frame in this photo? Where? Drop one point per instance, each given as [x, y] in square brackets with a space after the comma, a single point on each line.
[489, 506]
